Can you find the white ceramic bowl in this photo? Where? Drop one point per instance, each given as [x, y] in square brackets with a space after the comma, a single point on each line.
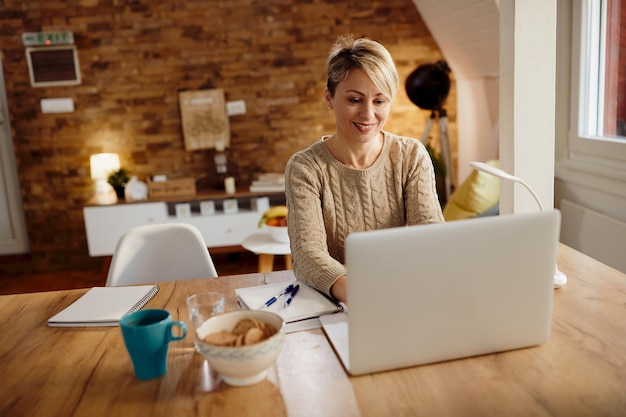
[279, 233]
[242, 365]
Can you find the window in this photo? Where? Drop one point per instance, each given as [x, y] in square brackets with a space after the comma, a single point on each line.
[598, 95]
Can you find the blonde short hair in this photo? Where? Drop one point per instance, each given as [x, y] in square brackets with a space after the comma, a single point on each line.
[366, 54]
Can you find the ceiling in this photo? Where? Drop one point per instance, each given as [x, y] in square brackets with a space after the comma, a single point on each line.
[467, 32]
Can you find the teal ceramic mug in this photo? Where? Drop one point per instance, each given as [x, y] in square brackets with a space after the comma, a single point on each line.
[147, 334]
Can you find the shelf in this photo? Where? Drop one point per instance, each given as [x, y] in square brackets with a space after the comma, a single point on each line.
[201, 196]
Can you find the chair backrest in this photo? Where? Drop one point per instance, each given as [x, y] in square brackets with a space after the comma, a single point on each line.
[160, 252]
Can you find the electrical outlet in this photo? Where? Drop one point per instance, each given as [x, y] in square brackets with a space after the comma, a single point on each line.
[234, 108]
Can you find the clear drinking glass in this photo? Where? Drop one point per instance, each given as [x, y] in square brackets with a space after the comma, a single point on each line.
[202, 307]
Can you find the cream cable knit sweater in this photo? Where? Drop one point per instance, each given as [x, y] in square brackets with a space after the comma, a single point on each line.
[327, 201]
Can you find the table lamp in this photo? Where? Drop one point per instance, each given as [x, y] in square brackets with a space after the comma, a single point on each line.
[560, 278]
[102, 165]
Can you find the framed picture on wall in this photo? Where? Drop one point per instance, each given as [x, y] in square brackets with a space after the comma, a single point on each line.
[53, 65]
[204, 119]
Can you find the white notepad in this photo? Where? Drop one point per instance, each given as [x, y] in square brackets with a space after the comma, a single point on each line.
[308, 303]
[103, 306]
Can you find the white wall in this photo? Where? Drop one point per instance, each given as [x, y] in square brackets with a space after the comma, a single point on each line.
[527, 101]
[467, 34]
[477, 121]
[505, 113]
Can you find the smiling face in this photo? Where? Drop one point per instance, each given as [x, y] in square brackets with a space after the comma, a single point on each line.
[361, 109]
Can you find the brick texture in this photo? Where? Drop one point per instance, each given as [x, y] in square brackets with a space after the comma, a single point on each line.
[136, 55]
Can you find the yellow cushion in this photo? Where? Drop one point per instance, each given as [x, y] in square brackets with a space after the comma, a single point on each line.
[478, 193]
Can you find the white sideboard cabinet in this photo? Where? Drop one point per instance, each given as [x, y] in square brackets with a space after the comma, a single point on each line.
[225, 226]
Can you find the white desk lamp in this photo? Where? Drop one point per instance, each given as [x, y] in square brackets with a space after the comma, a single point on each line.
[560, 278]
[103, 164]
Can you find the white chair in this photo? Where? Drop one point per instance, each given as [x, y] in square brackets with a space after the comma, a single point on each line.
[160, 252]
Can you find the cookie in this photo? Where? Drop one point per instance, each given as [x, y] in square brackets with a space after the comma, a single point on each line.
[254, 335]
[220, 339]
[245, 332]
[244, 325]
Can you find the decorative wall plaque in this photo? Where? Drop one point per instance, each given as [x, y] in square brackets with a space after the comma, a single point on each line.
[204, 119]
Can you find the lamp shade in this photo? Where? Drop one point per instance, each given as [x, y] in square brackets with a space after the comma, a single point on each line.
[103, 164]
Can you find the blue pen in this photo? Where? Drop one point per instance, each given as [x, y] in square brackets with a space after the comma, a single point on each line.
[291, 296]
[275, 298]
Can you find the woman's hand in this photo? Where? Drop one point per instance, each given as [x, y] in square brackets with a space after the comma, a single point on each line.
[339, 290]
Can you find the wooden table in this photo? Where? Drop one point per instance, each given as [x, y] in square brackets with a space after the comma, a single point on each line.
[580, 371]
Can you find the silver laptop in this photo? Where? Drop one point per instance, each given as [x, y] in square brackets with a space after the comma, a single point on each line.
[432, 293]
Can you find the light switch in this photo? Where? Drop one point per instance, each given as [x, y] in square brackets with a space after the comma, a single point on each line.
[234, 108]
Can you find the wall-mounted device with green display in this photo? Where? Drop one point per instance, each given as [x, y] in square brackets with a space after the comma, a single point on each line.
[52, 59]
[47, 38]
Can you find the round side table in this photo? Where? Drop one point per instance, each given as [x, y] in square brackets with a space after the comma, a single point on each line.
[263, 245]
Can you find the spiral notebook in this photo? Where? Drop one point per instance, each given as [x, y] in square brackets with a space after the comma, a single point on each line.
[104, 306]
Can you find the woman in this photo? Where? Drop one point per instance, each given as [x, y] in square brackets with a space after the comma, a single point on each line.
[360, 177]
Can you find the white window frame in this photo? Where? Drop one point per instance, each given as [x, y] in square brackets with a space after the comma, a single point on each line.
[596, 152]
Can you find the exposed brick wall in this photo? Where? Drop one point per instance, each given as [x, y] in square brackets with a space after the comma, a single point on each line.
[135, 56]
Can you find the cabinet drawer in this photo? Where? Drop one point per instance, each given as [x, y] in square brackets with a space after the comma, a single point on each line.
[224, 229]
[106, 224]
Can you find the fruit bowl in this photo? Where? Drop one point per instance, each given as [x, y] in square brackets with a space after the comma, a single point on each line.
[275, 219]
[274, 216]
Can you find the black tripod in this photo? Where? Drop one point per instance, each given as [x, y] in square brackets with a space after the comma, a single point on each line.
[428, 87]
[444, 142]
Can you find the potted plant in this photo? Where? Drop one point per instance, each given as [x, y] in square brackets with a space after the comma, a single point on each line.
[118, 180]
